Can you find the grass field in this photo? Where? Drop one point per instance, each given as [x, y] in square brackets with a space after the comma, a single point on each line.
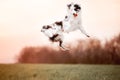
[59, 72]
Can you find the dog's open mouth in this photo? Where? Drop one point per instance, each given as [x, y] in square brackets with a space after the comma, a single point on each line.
[75, 15]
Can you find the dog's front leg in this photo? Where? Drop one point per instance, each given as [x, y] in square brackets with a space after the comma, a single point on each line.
[83, 31]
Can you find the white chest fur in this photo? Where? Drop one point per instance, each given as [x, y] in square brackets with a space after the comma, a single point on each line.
[71, 23]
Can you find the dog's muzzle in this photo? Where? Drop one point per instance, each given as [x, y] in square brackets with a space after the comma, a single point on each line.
[75, 14]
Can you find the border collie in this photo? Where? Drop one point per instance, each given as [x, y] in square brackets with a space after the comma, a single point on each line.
[71, 22]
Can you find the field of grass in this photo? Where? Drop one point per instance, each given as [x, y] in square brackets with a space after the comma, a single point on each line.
[59, 72]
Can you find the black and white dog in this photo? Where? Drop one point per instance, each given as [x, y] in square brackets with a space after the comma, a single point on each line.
[54, 32]
[71, 22]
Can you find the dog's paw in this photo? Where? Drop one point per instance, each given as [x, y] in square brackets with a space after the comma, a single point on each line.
[87, 35]
[64, 48]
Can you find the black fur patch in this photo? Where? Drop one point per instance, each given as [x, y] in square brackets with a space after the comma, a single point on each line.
[59, 23]
[66, 16]
[47, 27]
[53, 37]
[77, 7]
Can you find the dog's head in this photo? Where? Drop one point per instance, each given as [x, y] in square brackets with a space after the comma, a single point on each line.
[74, 9]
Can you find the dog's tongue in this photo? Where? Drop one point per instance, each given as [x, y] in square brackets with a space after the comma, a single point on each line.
[75, 15]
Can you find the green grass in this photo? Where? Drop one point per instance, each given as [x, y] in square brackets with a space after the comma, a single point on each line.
[59, 72]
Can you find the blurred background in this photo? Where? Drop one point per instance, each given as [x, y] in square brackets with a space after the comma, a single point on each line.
[21, 40]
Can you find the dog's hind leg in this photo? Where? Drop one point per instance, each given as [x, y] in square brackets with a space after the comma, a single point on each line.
[61, 45]
[60, 39]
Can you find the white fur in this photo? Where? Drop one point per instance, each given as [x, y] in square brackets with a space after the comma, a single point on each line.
[70, 23]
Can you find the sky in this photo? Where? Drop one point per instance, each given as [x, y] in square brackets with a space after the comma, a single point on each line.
[21, 21]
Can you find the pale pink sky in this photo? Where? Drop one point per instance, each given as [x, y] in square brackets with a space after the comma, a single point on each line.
[21, 21]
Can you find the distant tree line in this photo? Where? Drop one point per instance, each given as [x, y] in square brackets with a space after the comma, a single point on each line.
[90, 51]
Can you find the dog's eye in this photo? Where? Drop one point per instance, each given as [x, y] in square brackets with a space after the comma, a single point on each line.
[77, 7]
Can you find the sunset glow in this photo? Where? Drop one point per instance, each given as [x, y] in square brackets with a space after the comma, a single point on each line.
[21, 21]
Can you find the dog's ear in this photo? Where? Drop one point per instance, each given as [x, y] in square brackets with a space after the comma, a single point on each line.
[68, 5]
